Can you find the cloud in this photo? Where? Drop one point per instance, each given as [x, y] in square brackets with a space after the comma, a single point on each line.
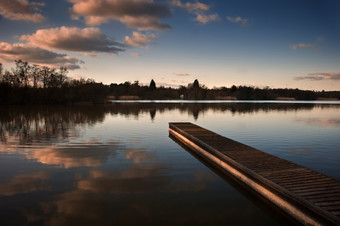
[238, 20]
[138, 39]
[197, 8]
[206, 18]
[307, 46]
[303, 45]
[190, 6]
[73, 39]
[320, 76]
[144, 23]
[165, 84]
[21, 10]
[36, 55]
[140, 14]
[182, 74]
[135, 54]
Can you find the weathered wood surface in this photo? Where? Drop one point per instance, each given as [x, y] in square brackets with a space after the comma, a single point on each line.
[309, 196]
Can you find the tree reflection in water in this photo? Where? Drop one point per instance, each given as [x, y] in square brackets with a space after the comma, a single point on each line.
[55, 123]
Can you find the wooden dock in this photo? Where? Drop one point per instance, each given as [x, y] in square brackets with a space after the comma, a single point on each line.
[306, 195]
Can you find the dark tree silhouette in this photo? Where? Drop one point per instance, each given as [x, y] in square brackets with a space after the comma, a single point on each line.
[196, 90]
[152, 85]
[196, 84]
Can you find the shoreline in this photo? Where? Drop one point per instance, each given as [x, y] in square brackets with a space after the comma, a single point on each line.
[229, 101]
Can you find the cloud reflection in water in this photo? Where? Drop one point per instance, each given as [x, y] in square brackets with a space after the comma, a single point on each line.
[24, 183]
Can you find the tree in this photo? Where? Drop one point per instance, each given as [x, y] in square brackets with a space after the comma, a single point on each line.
[62, 76]
[44, 76]
[152, 85]
[34, 75]
[22, 68]
[196, 84]
[196, 89]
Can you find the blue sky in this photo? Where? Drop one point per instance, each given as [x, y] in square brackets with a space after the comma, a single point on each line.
[280, 44]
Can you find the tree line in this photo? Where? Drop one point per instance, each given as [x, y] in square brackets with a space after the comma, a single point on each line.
[197, 91]
[34, 84]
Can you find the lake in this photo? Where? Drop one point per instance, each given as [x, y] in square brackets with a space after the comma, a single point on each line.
[116, 165]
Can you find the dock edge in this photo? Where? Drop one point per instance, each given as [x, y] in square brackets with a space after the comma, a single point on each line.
[214, 156]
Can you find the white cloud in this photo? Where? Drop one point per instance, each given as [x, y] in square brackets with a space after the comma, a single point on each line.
[320, 76]
[37, 55]
[197, 8]
[182, 74]
[238, 20]
[206, 18]
[21, 10]
[139, 39]
[140, 14]
[135, 54]
[191, 6]
[73, 39]
[303, 45]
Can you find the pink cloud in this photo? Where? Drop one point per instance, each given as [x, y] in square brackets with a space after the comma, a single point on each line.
[202, 18]
[141, 14]
[182, 74]
[73, 39]
[320, 76]
[238, 20]
[37, 55]
[135, 54]
[21, 10]
[303, 45]
[197, 8]
[139, 39]
[190, 6]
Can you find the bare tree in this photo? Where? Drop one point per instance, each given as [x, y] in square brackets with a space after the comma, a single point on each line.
[21, 73]
[35, 75]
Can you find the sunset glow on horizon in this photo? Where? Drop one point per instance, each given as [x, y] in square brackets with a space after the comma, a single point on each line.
[280, 44]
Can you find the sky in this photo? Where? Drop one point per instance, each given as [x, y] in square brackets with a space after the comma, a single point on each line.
[274, 43]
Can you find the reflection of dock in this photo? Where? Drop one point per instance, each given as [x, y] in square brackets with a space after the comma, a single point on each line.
[308, 196]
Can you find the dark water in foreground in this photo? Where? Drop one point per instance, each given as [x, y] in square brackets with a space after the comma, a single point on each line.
[116, 165]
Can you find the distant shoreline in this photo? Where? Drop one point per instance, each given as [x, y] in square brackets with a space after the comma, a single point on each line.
[228, 101]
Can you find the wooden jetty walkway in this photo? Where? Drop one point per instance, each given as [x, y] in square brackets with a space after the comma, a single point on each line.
[306, 195]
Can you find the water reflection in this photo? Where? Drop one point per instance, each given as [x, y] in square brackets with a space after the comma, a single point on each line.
[73, 155]
[30, 124]
[320, 122]
[24, 183]
[135, 190]
[139, 155]
[93, 165]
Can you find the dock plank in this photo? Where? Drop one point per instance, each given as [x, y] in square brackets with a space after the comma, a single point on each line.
[310, 197]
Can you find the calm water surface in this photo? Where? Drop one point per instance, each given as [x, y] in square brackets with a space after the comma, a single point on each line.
[116, 165]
